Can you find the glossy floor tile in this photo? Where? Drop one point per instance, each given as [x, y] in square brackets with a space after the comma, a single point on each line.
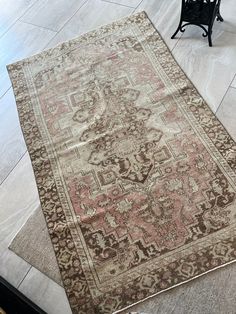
[233, 84]
[211, 69]
[21, 40]
[11, 11]
[45, 292]
[12, 144]
[131, 3]
[52, 14]
[92, 15]
[18, 199]
[228, 12]
[227, 112]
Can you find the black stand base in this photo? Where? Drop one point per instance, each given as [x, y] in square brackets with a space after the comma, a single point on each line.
[200, 14]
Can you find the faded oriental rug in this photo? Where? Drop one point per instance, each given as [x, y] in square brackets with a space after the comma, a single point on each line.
[136, 176]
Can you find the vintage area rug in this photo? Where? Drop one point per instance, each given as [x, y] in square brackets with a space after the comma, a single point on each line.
[136, 176]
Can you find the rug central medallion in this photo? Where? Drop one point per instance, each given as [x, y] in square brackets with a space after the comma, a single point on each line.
[129, 146]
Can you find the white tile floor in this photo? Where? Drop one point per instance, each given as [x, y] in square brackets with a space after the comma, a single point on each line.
[29, 26]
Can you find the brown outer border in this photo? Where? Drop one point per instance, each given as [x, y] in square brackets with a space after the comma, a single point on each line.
[73, 277]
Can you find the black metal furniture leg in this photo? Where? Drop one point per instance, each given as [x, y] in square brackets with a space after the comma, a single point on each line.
[179, 28]
[176, 32]
[209, 37]
[219, 17]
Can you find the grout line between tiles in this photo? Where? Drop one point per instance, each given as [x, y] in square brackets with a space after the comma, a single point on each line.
[39, 26]
[123, 5]
[73, 15]
[138, 4]
[225, 94]
[13, 168]
[176, 43]
[18, 286]
[18, 18]
[4, 93]
[65, 23]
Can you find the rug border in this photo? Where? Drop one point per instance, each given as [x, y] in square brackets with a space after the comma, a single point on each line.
[175, 286]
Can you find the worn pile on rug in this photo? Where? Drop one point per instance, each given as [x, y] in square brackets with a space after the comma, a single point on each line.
[136, 176]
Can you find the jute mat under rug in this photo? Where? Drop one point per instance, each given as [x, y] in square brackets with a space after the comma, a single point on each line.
[136, 176]
[32, 243]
